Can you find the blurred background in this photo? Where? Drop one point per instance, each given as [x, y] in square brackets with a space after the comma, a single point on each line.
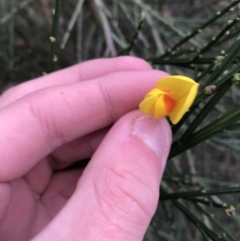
[101, 28]
[148, 29]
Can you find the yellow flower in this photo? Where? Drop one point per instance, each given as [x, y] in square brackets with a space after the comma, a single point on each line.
[172, 97]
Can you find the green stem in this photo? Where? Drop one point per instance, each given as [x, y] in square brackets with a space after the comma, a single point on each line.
[209, 203]
[134, 37]
[183, 61]
[229, 59]
[199, 193]
[206, 132]
[210, 217]
[206, 232]
[216, 38]
[53, 37]
[11, 34]
[196, 31]
[206, 110]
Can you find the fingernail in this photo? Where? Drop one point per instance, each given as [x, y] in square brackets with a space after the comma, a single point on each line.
[154, 133]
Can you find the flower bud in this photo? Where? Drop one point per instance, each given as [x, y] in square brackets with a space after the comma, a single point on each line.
[236, 78]
[210, 89]
[218, 60]
[172, 97]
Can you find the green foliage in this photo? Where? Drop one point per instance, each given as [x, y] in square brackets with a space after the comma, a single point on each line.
[199, 191]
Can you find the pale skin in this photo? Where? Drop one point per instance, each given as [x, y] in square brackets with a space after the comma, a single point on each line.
[85, 111]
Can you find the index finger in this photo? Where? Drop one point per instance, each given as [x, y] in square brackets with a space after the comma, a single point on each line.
[74, 74]
[44, 120]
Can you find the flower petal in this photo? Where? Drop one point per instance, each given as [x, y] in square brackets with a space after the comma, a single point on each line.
[158, 103]
[147, 106]
[183, 104]
[160, 108]
[177, 84]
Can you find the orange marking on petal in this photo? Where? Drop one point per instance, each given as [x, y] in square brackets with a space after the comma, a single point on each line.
[169, 103]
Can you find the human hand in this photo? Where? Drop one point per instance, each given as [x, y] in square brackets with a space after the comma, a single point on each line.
[51, 122]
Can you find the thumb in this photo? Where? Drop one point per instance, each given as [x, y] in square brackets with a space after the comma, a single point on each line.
[118, 192]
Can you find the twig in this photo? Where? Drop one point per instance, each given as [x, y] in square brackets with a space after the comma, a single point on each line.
[79, 37]
[11, 34]
[46, 12]
[71, 23]
[135, 35]
[5, 18]
[106, 27]
[154, 13]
